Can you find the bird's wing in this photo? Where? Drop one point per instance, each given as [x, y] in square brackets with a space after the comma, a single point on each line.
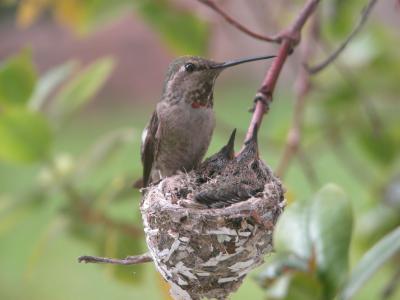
[226, 194]
[150, 143]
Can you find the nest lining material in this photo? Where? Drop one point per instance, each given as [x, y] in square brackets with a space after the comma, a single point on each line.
[203, 252]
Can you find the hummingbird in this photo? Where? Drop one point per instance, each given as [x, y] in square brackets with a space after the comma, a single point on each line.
[180, 129]
[242, 178]
[213, 165]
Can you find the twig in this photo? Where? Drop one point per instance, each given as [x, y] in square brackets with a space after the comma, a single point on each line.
[302, 88]
[130, 260]
[290, 38]
[237, 25]
[364, 16]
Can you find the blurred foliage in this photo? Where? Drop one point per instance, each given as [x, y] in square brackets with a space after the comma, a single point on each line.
[351, 135]
[80, 89]
[17, 79]
[182, 30]
[312, 242]
[312, 239]
[379, 254]
[25, 136]
[33, 111]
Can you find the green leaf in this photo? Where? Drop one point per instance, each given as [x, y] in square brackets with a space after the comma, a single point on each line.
[279, 288]
[392, 193]
[81, 89]
[17, 79]
[304, 286]
[291, 232]
[382, 148]
[379, 254]
[279, 265]
[295, 286]
[180, 29]
[319, 232]
[25, 136]
[49, 82]
[331, 221]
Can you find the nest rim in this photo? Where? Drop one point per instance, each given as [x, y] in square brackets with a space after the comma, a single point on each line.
[243, 208]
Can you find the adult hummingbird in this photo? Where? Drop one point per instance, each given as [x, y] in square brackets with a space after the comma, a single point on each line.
[180, 129]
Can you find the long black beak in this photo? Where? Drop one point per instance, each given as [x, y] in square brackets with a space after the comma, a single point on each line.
[240, 61]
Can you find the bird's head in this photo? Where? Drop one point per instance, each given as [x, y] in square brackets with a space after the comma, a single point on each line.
[192, 78]
[250, 151]
[215, 163]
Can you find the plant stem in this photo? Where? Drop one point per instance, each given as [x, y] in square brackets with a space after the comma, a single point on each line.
[327, 61]
[130, 260]
[289, 38]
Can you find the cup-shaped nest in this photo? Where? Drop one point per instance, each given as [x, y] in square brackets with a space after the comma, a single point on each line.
[204, 252]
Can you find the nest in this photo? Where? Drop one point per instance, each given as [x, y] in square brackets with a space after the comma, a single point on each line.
[204, 252]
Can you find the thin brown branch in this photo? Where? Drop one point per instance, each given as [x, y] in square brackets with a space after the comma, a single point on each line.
[361, 22]
[290, 38]
[264, 96]
[236, 24]
[130, 260]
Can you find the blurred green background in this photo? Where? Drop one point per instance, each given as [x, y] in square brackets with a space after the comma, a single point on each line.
[78, 82]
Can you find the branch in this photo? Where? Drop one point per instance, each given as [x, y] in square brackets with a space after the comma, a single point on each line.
[237, 25]
[289, 38]
[364, 16]
[130, 260]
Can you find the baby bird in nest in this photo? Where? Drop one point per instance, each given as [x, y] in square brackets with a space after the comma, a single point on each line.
[213, 165]
[238, 180]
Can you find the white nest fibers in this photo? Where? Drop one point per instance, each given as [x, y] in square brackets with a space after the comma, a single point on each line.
[203, 252]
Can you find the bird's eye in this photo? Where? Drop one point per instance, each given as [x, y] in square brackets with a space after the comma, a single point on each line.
[189, 67]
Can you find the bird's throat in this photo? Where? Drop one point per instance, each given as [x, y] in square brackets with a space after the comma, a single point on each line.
[199, 104]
